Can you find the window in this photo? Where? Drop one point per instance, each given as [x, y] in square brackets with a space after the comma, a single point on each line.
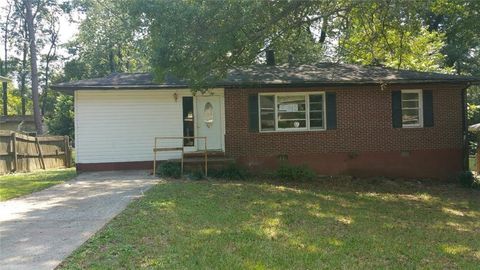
[316, 111]
[292, 111]
[188, 117]
[412, 110]
[208, 114]
[267, 113]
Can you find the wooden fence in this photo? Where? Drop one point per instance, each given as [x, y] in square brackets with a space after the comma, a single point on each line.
[22, 153]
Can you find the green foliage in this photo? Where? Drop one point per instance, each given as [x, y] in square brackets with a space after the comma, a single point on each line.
[196, 175]
[468, 180]
[473, 95]
[61, 121]
[295, 173]
[459, 20]
[473, 116]
[109, 40]
[473, 113]
[200, 40]
[15, 101]
[169, 169]
[392, 34]
[231, 172]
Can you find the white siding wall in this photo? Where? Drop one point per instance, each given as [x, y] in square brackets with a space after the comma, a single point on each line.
[120, 125]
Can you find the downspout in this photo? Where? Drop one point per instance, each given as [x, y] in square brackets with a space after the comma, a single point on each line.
[465, 150]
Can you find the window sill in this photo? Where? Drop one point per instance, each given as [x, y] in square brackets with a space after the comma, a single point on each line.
[293, 131]
[412, 127]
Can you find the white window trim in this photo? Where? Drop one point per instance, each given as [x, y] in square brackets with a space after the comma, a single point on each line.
[420, 108]
[307, 111]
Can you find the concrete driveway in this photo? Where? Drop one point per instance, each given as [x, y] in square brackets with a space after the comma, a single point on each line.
[40, 230]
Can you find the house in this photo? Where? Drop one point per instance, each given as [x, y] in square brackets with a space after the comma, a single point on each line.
[334, 118]
[22, 123]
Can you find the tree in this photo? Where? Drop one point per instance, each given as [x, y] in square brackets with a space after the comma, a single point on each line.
[216, 36]
[201, 40]
[4, 67]
[459, 21]
[33, 63]
[14, 100]
[61, 122]
[391, 33]
[116, 46]
[51, 33]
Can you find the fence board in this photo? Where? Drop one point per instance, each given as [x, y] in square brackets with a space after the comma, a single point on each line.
[23, 153]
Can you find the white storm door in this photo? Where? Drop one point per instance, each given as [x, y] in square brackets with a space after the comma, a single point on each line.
[209, 122]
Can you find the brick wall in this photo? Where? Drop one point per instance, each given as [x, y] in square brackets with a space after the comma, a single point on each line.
[364, 143]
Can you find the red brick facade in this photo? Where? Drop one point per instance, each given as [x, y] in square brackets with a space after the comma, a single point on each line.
[364, 143]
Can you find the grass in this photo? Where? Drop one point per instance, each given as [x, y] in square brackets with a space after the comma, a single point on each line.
[472, 163]
[14, 185]
[332, 223]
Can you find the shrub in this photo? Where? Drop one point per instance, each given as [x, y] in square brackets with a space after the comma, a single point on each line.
[170, 169]
[295, 173]
[230, 172]
[196, 175]
[467, 179]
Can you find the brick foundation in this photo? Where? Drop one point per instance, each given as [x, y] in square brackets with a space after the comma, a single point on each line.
[439, 164]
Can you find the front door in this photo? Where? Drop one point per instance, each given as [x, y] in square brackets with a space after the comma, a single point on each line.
[209, 122]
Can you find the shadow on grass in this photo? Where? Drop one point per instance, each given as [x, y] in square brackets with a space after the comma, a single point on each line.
[19, 184]
[327, 224]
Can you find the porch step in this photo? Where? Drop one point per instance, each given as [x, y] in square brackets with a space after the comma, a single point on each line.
[196, 163]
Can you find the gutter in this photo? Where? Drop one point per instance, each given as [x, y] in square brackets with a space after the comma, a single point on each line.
[69, 88]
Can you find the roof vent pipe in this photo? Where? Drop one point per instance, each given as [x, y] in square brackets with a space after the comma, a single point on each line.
[270, 53]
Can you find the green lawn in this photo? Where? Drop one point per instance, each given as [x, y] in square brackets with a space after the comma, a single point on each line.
[14, 185]
[334, 223]
[472, 163]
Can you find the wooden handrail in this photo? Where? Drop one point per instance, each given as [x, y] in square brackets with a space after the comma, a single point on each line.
[182, 149]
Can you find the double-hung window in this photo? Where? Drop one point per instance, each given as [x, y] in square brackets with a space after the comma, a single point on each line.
[292, 111]
[412, 111]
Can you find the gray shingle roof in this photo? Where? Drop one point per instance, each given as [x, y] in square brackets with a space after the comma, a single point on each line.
[262, 75]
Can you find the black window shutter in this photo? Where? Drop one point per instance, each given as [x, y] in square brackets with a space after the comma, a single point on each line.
[331, 110]
[397, 109]
[253, 112]
[427, 108]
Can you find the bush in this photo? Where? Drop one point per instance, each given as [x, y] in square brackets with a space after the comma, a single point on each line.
[196, 175]
[467, 179]
[295, 173]
[170, 169]
[231, 172]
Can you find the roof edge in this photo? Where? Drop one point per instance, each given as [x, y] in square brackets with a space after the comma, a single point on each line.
[72, 88]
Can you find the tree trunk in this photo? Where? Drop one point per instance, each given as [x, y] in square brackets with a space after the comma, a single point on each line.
[111, 61]
[4, 98]
[33, 63]
[45, 90]
[50, 56]
[5, 68]
[23, 76]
